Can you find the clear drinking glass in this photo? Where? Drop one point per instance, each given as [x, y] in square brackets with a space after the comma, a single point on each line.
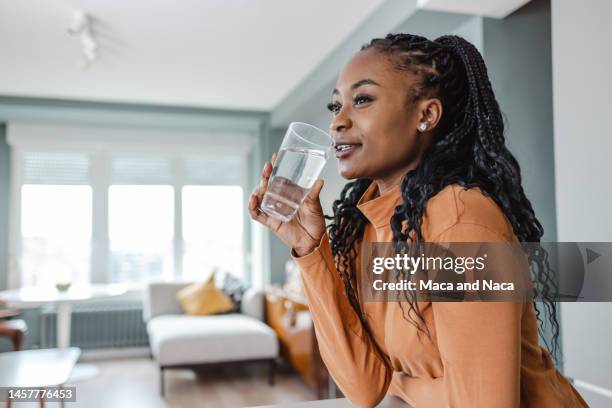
[301, 157]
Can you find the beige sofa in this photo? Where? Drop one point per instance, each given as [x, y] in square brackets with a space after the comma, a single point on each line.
[181, 341]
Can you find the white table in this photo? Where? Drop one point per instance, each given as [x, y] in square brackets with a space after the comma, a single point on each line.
[31, 297]
[37, 368]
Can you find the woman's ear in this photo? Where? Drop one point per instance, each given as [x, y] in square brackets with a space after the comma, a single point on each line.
[430, 113]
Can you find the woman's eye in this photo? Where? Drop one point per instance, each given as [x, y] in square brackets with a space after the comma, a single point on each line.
[333, 107]
[362, 98]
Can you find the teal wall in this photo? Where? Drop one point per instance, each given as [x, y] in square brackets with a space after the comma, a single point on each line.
[30, 316]
[106, 114]
[518, 54]
[5, 176]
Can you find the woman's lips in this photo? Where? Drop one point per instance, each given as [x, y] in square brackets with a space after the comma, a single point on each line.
[345, 150]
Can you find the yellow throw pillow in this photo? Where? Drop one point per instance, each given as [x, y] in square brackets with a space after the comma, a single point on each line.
[203, 298]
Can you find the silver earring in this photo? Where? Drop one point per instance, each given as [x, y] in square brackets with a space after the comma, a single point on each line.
[423, 126]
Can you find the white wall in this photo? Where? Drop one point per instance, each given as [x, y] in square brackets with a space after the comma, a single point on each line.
[582, 62]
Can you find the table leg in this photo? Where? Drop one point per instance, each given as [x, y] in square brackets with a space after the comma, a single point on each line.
[80, 371]
[64, 315]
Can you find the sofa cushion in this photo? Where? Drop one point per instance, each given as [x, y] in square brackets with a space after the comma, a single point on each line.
[182, 339]
[234, 288]
[253, 304]
[160, 299]
[204, 298]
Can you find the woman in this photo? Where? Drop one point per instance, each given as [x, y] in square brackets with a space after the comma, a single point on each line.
[417, 128]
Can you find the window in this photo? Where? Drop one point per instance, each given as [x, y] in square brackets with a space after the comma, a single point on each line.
[212, 230]
[101, 205]
[56, 218]
[56, 233]
[141, 232]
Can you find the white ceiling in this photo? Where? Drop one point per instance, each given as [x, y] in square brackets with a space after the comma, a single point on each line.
[487, 8]
[230, 54]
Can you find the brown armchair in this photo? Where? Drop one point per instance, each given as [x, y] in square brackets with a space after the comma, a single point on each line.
[16, 329]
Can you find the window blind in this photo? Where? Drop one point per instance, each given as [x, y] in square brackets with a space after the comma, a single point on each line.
[213, 170]
[134, 169]
[55, 168]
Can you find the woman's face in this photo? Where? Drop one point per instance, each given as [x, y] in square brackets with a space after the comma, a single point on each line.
[374, 131]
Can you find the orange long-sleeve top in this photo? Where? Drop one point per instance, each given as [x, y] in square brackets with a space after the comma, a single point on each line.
[482, 354]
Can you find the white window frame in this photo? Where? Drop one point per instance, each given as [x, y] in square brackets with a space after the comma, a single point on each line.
[100, 144]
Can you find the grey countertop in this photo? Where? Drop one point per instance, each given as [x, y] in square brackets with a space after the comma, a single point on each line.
[387, 402]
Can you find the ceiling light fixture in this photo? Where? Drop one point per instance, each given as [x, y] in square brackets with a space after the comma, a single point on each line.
[81, 27]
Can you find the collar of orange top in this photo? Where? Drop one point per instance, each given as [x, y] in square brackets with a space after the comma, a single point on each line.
[380, 209]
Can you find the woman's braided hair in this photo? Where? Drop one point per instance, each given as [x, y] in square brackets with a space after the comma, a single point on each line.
[468, 148]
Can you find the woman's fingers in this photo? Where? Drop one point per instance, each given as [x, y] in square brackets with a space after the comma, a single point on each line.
[260, 216]
[254, 210]
[257, 196]
[314, 192]
[265, 176]
[266, 172]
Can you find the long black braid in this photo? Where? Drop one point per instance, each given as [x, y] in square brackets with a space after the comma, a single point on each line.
[468, 149]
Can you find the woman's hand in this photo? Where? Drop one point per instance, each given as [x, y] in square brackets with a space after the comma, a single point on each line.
[305, 230]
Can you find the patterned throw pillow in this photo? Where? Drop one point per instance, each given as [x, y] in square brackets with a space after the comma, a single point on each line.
[234, 288]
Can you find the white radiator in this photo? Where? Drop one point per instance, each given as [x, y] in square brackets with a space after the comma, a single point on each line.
[98, 326]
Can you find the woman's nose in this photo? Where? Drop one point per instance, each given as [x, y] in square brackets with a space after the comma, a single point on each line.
[341, 122]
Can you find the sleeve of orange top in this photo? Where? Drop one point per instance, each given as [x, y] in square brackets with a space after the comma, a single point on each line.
[352, 359]
[479, 343]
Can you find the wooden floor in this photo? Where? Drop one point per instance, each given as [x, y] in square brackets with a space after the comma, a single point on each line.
[134, 382]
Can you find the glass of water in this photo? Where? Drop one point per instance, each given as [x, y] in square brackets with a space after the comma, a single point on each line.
[301, 157]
